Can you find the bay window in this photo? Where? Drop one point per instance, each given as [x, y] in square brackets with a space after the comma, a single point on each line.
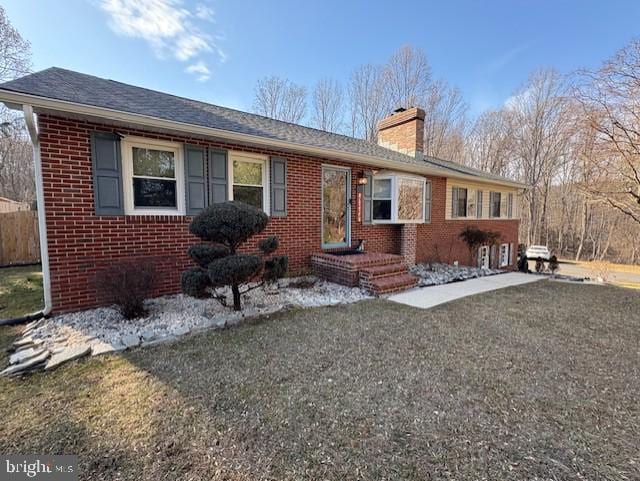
[382, 199]
[399, 199]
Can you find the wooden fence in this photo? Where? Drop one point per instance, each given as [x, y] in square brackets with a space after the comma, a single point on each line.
[19, 242]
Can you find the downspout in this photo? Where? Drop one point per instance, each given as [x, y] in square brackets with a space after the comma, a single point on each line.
[32, 127]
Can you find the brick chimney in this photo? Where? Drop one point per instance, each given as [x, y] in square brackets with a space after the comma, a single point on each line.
[403, 131]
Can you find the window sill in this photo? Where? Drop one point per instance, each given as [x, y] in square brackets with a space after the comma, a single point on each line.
[152, 212]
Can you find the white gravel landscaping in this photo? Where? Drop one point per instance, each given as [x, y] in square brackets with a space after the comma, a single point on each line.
[104, 330]
[435, 274]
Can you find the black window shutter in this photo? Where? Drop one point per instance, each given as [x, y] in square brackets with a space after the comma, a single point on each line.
[454, 202]
[107, 173]
[427, 201]
[196, 192]
[367, 200]
[218, 176]
[278, 187]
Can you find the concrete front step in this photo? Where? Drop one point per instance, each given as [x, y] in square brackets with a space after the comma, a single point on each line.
[395, 283]
[386, 270]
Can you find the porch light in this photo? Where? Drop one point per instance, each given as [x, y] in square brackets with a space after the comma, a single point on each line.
[362, 180]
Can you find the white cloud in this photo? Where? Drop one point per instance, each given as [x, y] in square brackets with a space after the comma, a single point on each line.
[200, 70]
[204, 12]
[167, 26]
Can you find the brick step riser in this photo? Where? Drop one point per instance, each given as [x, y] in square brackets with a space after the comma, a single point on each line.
[401, 285]
[369, 276]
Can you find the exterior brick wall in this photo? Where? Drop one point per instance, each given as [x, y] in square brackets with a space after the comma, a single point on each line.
[82, 243]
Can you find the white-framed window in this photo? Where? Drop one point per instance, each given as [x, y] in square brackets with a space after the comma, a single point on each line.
[382, 199]
[400, 199]
[504, 255]
[249, 179]
[153, 177]
[479, 202]
[459, 202]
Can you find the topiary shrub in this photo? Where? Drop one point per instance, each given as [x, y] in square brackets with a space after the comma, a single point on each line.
[539, 265]
[127, 284]
[225, 227]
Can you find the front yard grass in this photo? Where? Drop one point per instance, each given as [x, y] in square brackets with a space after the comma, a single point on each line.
[533, 382]
[20, 291]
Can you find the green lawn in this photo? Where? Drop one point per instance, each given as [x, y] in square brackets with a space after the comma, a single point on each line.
[533, 382]
[20, 291]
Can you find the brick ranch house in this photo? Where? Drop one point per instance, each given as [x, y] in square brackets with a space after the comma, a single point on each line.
[121, 170]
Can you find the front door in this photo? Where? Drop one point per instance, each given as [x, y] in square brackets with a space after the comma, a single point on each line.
[336, 196]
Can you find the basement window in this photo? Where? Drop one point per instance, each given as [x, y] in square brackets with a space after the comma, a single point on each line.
[398, 199]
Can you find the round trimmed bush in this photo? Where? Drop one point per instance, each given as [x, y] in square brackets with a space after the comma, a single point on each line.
[203, 254]
[234, 269]
[195, 282]
[268, 245]
[229, 223]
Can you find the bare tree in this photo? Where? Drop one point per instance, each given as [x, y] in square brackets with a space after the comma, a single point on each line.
[328, 110]
[367, 101]
[445, 122]
[610, 98]
[489, 143]
[15, 51]
[280, 99]
[407, 78]
[539, 117]
[16, 167]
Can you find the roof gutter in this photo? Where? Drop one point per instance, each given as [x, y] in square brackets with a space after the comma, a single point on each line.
[15, 98]
[32, 127]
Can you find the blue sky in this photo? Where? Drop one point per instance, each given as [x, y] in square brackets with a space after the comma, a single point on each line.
[215, 50]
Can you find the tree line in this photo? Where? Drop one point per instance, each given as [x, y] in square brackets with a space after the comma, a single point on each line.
[573, 139]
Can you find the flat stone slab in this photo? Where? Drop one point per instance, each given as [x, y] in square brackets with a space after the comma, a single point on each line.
[27, 365]
[24, 341]
[104, 348]
[24, 354]
[69, 354]
[427, 297]
[131, 340]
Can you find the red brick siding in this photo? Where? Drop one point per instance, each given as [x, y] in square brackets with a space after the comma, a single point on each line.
[81, 243]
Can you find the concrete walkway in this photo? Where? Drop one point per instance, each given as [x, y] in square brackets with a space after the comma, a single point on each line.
[426, 297]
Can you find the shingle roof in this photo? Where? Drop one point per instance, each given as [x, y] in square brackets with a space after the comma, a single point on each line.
[66, 85]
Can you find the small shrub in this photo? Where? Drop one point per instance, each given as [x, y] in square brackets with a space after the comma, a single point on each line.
[275, 268]
[523, 263]
[553, 265]
[268, 245]
[195, 282]
[474, 238]
[539, 265]
[127, 284]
